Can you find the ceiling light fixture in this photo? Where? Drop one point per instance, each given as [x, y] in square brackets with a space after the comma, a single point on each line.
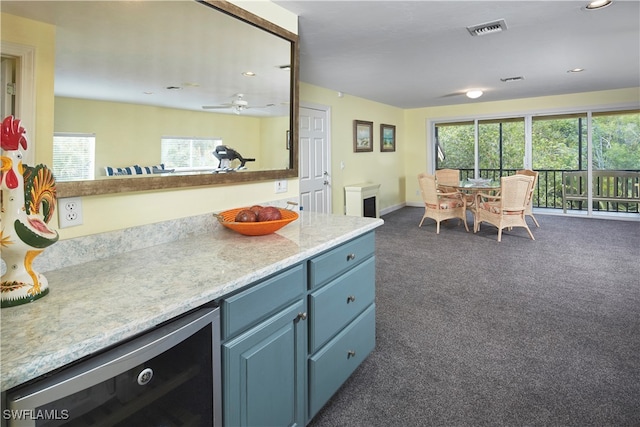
[575, 70]
[598, 4]
[249, 74]
[473, 94]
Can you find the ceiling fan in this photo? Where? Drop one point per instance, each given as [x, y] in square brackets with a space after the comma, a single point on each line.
[237, 105]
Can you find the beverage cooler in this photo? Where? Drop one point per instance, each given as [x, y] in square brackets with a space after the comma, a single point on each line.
[169, 376]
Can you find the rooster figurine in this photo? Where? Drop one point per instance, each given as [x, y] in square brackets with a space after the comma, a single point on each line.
[28, 203]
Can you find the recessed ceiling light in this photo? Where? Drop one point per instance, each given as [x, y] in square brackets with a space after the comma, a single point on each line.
[575, 70]
[249, 74]
[598, 4]
[473, 94]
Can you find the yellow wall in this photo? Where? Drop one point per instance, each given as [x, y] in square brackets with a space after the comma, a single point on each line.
[274, 154]
[128, 134]
[376, 167]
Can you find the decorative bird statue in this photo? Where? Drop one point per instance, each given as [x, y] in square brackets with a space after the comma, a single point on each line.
[28, 203]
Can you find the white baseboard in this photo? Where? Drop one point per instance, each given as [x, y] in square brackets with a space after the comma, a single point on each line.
[415, 204]
[392, 208]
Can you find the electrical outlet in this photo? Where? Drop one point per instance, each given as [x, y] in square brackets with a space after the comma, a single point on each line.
[70, 212]
[281, 186]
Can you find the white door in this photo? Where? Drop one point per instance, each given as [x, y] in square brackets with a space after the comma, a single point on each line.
[314, 148]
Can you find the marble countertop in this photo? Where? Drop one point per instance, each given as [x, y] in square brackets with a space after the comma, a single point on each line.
[96, 304]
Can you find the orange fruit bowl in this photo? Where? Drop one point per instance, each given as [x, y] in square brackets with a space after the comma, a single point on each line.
[227, 218]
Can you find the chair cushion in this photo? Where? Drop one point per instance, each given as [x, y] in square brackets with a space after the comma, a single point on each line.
[447, 203]
[494, 207]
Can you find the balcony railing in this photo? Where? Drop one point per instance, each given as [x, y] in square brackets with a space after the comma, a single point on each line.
[548, 191]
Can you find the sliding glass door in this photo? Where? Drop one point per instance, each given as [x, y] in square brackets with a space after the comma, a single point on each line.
[500, 147]
[455, 147]
[551, 145]
[616, 140]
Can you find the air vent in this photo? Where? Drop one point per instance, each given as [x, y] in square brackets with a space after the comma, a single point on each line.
[512, 79]
[488, 28]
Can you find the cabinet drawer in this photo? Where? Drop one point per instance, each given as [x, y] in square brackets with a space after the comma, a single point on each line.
[248, 307]
[331, 366]
[324, 267]
[333, 306]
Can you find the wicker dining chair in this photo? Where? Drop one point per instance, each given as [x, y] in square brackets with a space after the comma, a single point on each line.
[534, 174]
[508, 209]
[447, 179]
[441, 206]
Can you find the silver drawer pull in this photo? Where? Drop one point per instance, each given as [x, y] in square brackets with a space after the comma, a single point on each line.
[351, 257]
[351, 298]
[351, 353]
[301, 316]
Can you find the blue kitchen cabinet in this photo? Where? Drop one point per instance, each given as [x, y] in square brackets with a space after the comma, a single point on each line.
[264, 358]
[289, 342]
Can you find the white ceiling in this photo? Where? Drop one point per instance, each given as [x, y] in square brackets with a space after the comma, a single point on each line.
[404, 53]
[419, 53]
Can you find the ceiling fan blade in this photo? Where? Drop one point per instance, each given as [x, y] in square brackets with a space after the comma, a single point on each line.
[261, 106]
[238, 104]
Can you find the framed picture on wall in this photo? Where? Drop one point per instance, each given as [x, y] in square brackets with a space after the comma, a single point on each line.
[362, 136]
[387, 138]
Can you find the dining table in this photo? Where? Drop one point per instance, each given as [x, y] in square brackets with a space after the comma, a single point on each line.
[472, 188]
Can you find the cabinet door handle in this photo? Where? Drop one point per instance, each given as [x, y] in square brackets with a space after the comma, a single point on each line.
[351, 353]
[351, 298]
[351, 257]
[301, 316]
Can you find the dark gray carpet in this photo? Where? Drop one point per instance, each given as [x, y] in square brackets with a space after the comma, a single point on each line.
[472, 332]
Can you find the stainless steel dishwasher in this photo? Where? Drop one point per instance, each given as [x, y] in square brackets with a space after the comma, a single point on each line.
[169, 376]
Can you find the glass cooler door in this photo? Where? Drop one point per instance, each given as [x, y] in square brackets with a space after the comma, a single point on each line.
[167, 377]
